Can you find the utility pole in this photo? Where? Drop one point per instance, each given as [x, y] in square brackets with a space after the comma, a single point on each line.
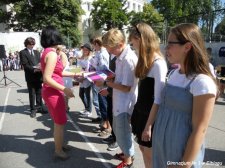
[68, 39]
[164, 31]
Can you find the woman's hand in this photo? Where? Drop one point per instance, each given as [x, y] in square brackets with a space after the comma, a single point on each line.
[78, 74]
[146, 134]
[68, 92]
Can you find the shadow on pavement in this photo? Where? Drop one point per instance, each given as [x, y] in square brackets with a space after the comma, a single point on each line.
[41, 155]
[16, 109]
[38, 149]
[82, 157]
[212, 155]
[220, 103]
[22, 90]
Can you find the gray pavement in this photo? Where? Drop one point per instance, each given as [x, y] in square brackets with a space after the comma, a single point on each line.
[27, 142]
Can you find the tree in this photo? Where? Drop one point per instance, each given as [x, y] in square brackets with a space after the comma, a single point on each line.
[220, 28]
[27, 15]
[212, 12]
[150, 16]
[205, 13]
[107, 14]
[182, 11]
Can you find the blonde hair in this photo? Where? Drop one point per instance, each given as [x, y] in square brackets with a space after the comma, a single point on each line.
[149, 45]
[113, 37]
[60, 47]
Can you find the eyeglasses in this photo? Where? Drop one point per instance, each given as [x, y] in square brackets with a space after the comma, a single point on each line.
[171, 43]
[177, 42]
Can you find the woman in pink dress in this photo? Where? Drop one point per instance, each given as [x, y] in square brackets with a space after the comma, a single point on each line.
[53, 90]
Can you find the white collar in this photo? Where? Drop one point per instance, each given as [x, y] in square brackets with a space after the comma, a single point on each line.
[124, 52]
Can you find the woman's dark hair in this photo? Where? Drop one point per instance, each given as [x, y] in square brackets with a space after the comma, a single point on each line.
[50, 36]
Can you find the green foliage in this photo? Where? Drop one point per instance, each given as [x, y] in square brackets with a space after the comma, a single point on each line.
[107, 14]
[182, 11]
[150, 16]
[220, 28]
[205, 13]
[64, 14]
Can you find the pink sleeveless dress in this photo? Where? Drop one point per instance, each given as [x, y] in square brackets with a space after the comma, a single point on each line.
[54, 98]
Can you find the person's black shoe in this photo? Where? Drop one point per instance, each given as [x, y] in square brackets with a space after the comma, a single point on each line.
[113, 146]
[33, 114]
[42, 111]
[108, 140]
[96, 120]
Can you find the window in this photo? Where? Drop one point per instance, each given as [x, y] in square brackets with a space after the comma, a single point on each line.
[128, 5]
[139, 8]
[134, 6]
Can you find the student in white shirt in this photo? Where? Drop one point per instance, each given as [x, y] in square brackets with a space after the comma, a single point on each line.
[124, 91]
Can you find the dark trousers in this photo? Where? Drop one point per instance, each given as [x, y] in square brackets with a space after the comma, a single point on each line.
[110, 114]
[85, 95]
[34, 90]
[103, 106]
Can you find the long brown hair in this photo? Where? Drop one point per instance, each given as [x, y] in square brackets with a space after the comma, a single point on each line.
[149, 45]
[196, 61]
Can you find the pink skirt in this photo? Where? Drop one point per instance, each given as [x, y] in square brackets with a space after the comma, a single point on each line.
[55, 103]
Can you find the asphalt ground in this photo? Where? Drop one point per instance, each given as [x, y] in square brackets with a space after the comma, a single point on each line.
[28, 142]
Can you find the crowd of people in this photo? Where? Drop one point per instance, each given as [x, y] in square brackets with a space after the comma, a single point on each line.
[166, 113]
[12, 61]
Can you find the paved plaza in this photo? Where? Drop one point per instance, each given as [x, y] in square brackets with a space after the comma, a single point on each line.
[27, 142]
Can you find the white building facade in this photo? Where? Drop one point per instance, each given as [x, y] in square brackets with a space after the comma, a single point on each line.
[86, 26]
